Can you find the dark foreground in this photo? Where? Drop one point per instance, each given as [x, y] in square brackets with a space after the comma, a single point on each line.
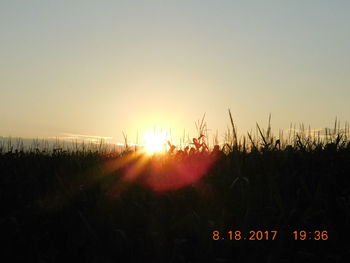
[91, 207]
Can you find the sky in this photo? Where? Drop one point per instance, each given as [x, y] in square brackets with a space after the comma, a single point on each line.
[101, 68]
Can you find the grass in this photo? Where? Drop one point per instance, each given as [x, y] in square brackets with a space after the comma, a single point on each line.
[95, 204]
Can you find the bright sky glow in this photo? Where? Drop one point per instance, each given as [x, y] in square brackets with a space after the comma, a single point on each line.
[98, 68]
[155, 142]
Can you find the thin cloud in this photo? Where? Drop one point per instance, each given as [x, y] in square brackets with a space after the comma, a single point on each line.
[83, 137]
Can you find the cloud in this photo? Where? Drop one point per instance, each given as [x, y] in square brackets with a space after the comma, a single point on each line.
[83, 137]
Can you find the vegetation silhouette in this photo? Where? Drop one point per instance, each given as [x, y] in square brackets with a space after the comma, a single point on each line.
[98, 205]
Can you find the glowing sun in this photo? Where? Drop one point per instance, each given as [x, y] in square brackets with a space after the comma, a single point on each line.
[155, 142]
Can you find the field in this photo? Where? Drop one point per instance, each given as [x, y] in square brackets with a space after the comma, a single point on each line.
[97, 205]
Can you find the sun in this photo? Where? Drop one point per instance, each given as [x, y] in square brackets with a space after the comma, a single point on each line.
[155, 142]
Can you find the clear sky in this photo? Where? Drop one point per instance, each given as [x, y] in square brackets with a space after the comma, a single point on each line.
[102, 67]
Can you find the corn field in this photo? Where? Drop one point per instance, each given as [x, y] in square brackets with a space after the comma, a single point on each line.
[92, 203]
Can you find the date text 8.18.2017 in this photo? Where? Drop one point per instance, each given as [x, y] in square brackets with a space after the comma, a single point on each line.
[269, 235]
[239, 235]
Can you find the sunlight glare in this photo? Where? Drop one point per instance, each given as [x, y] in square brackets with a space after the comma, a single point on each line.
[155, 142]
